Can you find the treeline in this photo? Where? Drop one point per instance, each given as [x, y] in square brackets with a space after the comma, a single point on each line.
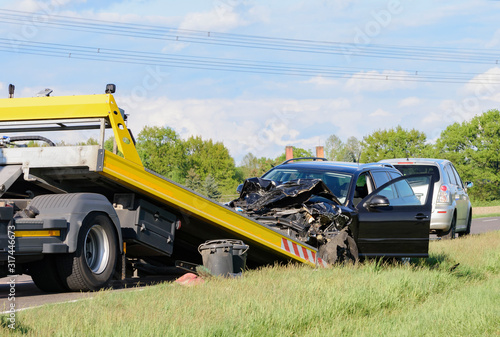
[207, 167]
[472, 146]
[202, 165]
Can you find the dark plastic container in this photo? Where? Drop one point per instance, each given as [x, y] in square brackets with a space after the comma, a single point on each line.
[224, 257]
[240, 250]
[217, 256]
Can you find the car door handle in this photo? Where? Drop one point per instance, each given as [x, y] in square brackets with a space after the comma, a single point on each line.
[421, 216]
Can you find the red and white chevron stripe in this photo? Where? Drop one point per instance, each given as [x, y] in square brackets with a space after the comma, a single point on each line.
[302, 252]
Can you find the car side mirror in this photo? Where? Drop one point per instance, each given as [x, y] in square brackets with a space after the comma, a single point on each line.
[469, 184]
[239, 188]
[378, 201]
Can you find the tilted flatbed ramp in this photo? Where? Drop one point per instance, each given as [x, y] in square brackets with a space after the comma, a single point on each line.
[93, 169]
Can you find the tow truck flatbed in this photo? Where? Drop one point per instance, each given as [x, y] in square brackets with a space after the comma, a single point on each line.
[123, 181]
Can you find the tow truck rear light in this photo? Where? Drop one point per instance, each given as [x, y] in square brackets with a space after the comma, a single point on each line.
[443, 195]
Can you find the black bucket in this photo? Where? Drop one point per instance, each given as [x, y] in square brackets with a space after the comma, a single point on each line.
[240, 250]
[224, 257]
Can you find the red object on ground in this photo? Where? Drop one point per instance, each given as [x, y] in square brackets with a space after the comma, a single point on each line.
[189, 279]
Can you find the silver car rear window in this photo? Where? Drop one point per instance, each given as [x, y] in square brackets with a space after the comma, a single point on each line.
[419, 169]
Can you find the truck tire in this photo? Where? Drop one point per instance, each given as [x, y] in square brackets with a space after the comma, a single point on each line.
[92, 265]
[450, 234]
[46, 276]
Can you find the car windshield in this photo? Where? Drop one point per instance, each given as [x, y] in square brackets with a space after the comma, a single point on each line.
[337, 182]
[419, 169]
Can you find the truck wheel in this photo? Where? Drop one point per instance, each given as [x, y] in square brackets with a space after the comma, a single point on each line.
[469, 222]
[450, 234]
[46, 276]
[92, 265]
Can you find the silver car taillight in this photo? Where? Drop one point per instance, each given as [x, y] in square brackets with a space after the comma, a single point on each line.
[443, 194]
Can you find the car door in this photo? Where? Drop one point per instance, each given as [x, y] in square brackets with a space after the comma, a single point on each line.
[462, 199]
[393, 221]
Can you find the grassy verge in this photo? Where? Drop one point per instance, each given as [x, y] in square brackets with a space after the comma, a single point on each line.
[490, 215]
[426, 297]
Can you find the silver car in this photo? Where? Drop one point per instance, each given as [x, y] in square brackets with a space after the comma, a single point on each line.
[451, 207]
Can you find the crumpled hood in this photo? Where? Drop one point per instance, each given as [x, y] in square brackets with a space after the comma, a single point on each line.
[259, 193]
[302, 208]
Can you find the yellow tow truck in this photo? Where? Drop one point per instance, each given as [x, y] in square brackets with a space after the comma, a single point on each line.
[73, 217]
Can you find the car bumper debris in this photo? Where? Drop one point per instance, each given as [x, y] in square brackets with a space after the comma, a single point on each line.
[304, 209]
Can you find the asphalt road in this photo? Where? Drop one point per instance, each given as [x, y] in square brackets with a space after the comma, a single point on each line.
[27, 294]
[483, 225]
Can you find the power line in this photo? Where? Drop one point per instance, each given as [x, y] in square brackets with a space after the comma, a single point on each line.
[255, 42]
[221, 64]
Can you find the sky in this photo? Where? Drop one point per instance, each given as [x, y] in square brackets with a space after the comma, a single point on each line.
[418, 64]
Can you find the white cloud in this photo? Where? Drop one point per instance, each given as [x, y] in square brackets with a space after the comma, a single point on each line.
[434, 118]
[48, 7]
[380, 113]
[112, 16]
[225, 16]
[263, 127]
[420, 15]
[322, 81]
[480, 94]
[374, 80]
[495, 40]
[483, 86]
[174, 47]
[409, 102]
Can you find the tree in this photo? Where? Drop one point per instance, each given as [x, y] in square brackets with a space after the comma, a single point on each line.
[473, 147]
[162, 151]
[193, 181]
[252, 166]
[334, 148]
[211, 188]
[90, 141]
[352, 150]
[394, 143]
[211, 158]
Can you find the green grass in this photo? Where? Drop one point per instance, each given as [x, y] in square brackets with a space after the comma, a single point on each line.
[490, 215]
[426, 297]
[479, 203]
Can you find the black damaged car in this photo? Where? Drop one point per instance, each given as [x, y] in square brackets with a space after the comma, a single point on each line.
[346, 210]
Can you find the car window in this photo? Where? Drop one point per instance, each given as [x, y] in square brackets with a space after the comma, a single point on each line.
[404, 189]
[450, 174]
[380, 177]
[409, 169]
[457, 176]
[394, 175]
[337, 182]
[389, 192]
[364, 186]
[407, 192]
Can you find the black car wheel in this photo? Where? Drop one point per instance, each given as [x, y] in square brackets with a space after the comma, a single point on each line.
[469, 222]
[450, 234]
